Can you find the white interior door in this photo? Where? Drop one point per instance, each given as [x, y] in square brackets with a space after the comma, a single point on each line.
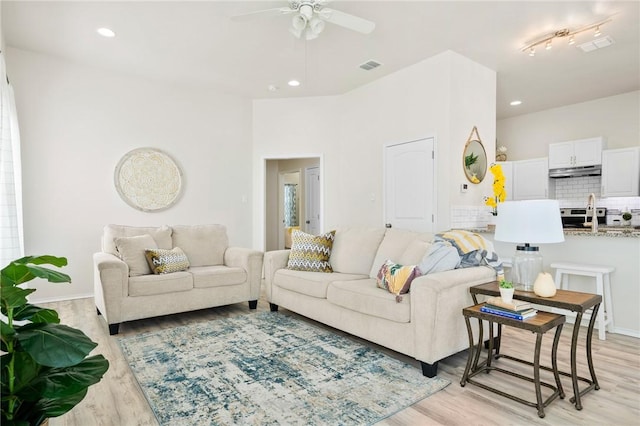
[409, 187]
[312, 200]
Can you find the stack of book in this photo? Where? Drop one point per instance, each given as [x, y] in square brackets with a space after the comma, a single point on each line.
[517, 309]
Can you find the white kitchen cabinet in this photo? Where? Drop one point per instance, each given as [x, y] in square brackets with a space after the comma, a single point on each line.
[531, 179]
[507, 171]
[582, 152]
[621, 172]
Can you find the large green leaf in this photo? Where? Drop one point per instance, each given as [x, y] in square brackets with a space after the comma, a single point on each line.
[20, 271]
[14, 297]
[54, 345]
[25, 371]
[35, 314]
[54, 407]
[68, 381]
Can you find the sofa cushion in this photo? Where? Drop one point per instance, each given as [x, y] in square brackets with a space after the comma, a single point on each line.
[147, 285]
[131, 250]
[354, 250]
[217, 276]
[396, 278]
[312, 284]
[204, 245]
[163, 261]
[365, 297]
[310, 252]
[161, 235]
[393, 246]
[415, 252]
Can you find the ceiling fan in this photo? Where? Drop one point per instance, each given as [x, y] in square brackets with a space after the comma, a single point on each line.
[309, 17]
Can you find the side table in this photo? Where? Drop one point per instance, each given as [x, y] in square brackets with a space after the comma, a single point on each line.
[564, 299]
[539, 324]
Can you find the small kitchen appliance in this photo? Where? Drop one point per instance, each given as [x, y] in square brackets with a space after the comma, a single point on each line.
[576, 218]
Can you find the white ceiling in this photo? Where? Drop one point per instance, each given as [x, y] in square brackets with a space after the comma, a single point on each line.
[197, 44]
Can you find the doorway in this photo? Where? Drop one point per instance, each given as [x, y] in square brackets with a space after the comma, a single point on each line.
[289, 199]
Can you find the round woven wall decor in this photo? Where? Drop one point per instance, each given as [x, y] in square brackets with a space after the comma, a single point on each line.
[148, 179]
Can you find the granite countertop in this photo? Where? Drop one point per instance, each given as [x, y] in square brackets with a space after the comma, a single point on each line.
[603, 231]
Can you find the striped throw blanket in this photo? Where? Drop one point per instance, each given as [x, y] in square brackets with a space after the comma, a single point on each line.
[474, 250]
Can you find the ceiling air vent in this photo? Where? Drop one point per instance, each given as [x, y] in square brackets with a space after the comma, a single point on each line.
[369, 65]
[598, 43]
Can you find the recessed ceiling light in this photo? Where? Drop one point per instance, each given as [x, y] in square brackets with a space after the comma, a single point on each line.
[515, 103]
[106, 32]
[294, 83]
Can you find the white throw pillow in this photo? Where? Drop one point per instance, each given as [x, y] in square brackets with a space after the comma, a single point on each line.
[132, 251]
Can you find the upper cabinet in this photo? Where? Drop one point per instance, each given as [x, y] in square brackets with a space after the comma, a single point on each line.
[621, 172]
[582, 152]
[531, 179]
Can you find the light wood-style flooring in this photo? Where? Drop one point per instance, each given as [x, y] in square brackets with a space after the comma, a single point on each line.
[118, 400]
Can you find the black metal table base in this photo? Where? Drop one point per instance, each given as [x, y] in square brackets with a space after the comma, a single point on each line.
[474, 367]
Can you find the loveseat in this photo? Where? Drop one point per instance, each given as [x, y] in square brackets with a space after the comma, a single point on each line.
[143, 272]
[426, 323]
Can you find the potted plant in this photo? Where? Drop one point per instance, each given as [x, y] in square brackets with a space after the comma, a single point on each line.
[626, 217]
[506, 291]
[44, 370]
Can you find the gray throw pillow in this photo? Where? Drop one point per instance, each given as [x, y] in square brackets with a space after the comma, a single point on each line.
[441, 256]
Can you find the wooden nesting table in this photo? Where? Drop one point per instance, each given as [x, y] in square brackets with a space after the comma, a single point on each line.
[539, 324]
[564, 299]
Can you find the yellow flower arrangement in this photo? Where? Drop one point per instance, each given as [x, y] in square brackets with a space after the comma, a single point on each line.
[499, 192]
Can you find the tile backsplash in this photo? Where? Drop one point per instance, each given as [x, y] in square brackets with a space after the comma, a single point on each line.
[571, 192]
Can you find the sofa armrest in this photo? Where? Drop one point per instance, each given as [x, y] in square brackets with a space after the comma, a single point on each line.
[251, 261]
[273, 261]
[437, 301]
[111, 285]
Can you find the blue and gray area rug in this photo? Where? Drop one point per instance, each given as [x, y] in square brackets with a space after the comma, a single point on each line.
[269, 369]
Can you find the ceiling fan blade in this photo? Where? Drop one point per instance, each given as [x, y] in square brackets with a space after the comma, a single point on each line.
[263, 13]
[346, 20]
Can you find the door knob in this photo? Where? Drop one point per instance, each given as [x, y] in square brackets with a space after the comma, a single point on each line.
[387, 225]
[307, 222]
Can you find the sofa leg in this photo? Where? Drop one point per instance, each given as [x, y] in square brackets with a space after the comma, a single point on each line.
[98, 311]
[273, 307]
[253, 304]
[114, 328]
[429, 370]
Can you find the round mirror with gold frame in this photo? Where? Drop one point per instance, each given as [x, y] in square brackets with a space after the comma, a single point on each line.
[474, 158]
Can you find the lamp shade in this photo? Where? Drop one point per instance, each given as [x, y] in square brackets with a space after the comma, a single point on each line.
[529, 221]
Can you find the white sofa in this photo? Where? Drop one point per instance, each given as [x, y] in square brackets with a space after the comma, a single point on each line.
[126, 289]
[426, 324]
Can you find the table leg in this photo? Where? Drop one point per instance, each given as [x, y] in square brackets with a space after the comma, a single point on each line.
[554, 360]
[592, 370]
[536, 375]
[471, 356]
[479, 346]
[490, 355]
[574, 367]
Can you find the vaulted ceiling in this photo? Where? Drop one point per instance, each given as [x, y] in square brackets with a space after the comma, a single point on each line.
[198, 44]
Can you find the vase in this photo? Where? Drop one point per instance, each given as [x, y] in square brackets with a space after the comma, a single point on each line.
[544, 285]
[506, 294]
[491, 224]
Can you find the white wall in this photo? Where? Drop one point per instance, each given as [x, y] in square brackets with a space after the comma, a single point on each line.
[76, 123]
[617, 118]
[443, 96]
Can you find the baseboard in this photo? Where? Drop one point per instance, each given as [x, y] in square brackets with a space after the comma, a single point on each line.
[626, 332]
[36, 300]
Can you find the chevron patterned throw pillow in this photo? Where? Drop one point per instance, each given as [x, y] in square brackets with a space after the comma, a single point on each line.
[310, 252]
[166, 261]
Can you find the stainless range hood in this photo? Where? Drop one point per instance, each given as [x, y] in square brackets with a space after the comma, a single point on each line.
[576, 171]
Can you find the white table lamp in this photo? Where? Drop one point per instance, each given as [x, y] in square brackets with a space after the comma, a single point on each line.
[528, 223]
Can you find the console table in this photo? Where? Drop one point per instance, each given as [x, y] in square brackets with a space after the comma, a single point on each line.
[539, 324]
[564, 299]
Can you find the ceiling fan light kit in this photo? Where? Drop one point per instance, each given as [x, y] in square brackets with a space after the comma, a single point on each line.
[565, 32]
[309, 17]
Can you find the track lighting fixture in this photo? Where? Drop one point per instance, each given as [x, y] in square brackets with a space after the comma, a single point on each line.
[565, 32]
